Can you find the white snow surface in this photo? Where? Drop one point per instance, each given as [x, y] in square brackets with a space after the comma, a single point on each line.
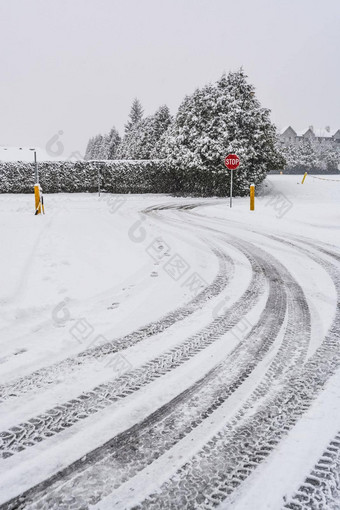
[85, 260]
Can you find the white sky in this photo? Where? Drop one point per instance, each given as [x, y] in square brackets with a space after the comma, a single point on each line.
[76, 65]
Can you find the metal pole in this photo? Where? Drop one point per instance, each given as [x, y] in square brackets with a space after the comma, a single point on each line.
[98, 181]
[36, 168]
[231, 188]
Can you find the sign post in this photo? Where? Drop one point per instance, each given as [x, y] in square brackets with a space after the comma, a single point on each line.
[231, 187]
[231, 162]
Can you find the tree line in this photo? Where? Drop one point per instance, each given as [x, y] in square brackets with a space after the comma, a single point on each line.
[311, 155]
[216, 119]
[140, 138]
[213, 121]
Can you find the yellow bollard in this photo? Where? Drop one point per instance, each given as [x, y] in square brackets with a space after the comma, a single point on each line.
[281, 173]
[304, 177]
[37, 199]
[252, 197]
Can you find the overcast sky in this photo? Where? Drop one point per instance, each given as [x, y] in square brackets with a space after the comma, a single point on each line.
[76, 65]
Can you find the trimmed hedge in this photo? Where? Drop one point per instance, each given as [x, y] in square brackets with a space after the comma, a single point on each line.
[82, 176]
[117, 176]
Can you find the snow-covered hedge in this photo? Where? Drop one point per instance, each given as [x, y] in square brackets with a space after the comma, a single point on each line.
[82, 176]
[120, 176]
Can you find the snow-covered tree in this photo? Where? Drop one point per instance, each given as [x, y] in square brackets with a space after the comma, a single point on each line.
[98, 147]
[113, 143]
[306, 154]
[103, 146]
[312, 155]
[330, 156]
[95, 146]
[162, 121]
[135, 115]
[219, 119]
[140, 142]
[89, 149]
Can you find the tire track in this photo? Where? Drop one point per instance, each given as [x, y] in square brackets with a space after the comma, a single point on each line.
[230, 457]
[135, 449]
[47, 376]
[64, 416]
[321, 488]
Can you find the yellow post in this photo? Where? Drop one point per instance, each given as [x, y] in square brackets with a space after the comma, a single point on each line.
[304, 177]
[281, 173]
[252, 197]
[37, 199]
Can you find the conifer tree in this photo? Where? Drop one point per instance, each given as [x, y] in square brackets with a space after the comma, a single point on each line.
[162, 120]
[310, 154]
[135, 115]
[331, 157]
[89, 149]
[219, 119]
[97, 149]
[114, 141]
[143, 137]
[307, 154]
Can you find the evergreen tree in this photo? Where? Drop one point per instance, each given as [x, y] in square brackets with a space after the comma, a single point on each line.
[306, 154]
[89, 149]
[143, 137]
[310, 154]
[103, 147]
[135, 115]
[290, 154]
[114, 141]
[97, 148]
[219, 119]
[331, 157]
[162, 120]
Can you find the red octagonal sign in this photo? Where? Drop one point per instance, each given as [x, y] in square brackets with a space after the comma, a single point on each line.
[232, 161]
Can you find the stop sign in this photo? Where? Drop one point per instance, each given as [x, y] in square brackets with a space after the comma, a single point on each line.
[232, 161]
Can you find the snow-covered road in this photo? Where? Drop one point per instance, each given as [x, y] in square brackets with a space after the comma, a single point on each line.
[161, 352]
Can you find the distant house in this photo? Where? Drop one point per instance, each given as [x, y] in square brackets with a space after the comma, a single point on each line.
[336, 136]
[306, 134]
[288, 136]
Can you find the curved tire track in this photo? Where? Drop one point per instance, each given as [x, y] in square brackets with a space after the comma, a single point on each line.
[229, 458]
[225, 461]
[132, 451]
[321, 488]
[47, 376]
[61, 417]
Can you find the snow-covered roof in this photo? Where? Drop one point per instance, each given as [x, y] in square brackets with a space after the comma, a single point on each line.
[23, 154]
[302, 132]
[318, 132]
[322, 132]
[283, 130]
